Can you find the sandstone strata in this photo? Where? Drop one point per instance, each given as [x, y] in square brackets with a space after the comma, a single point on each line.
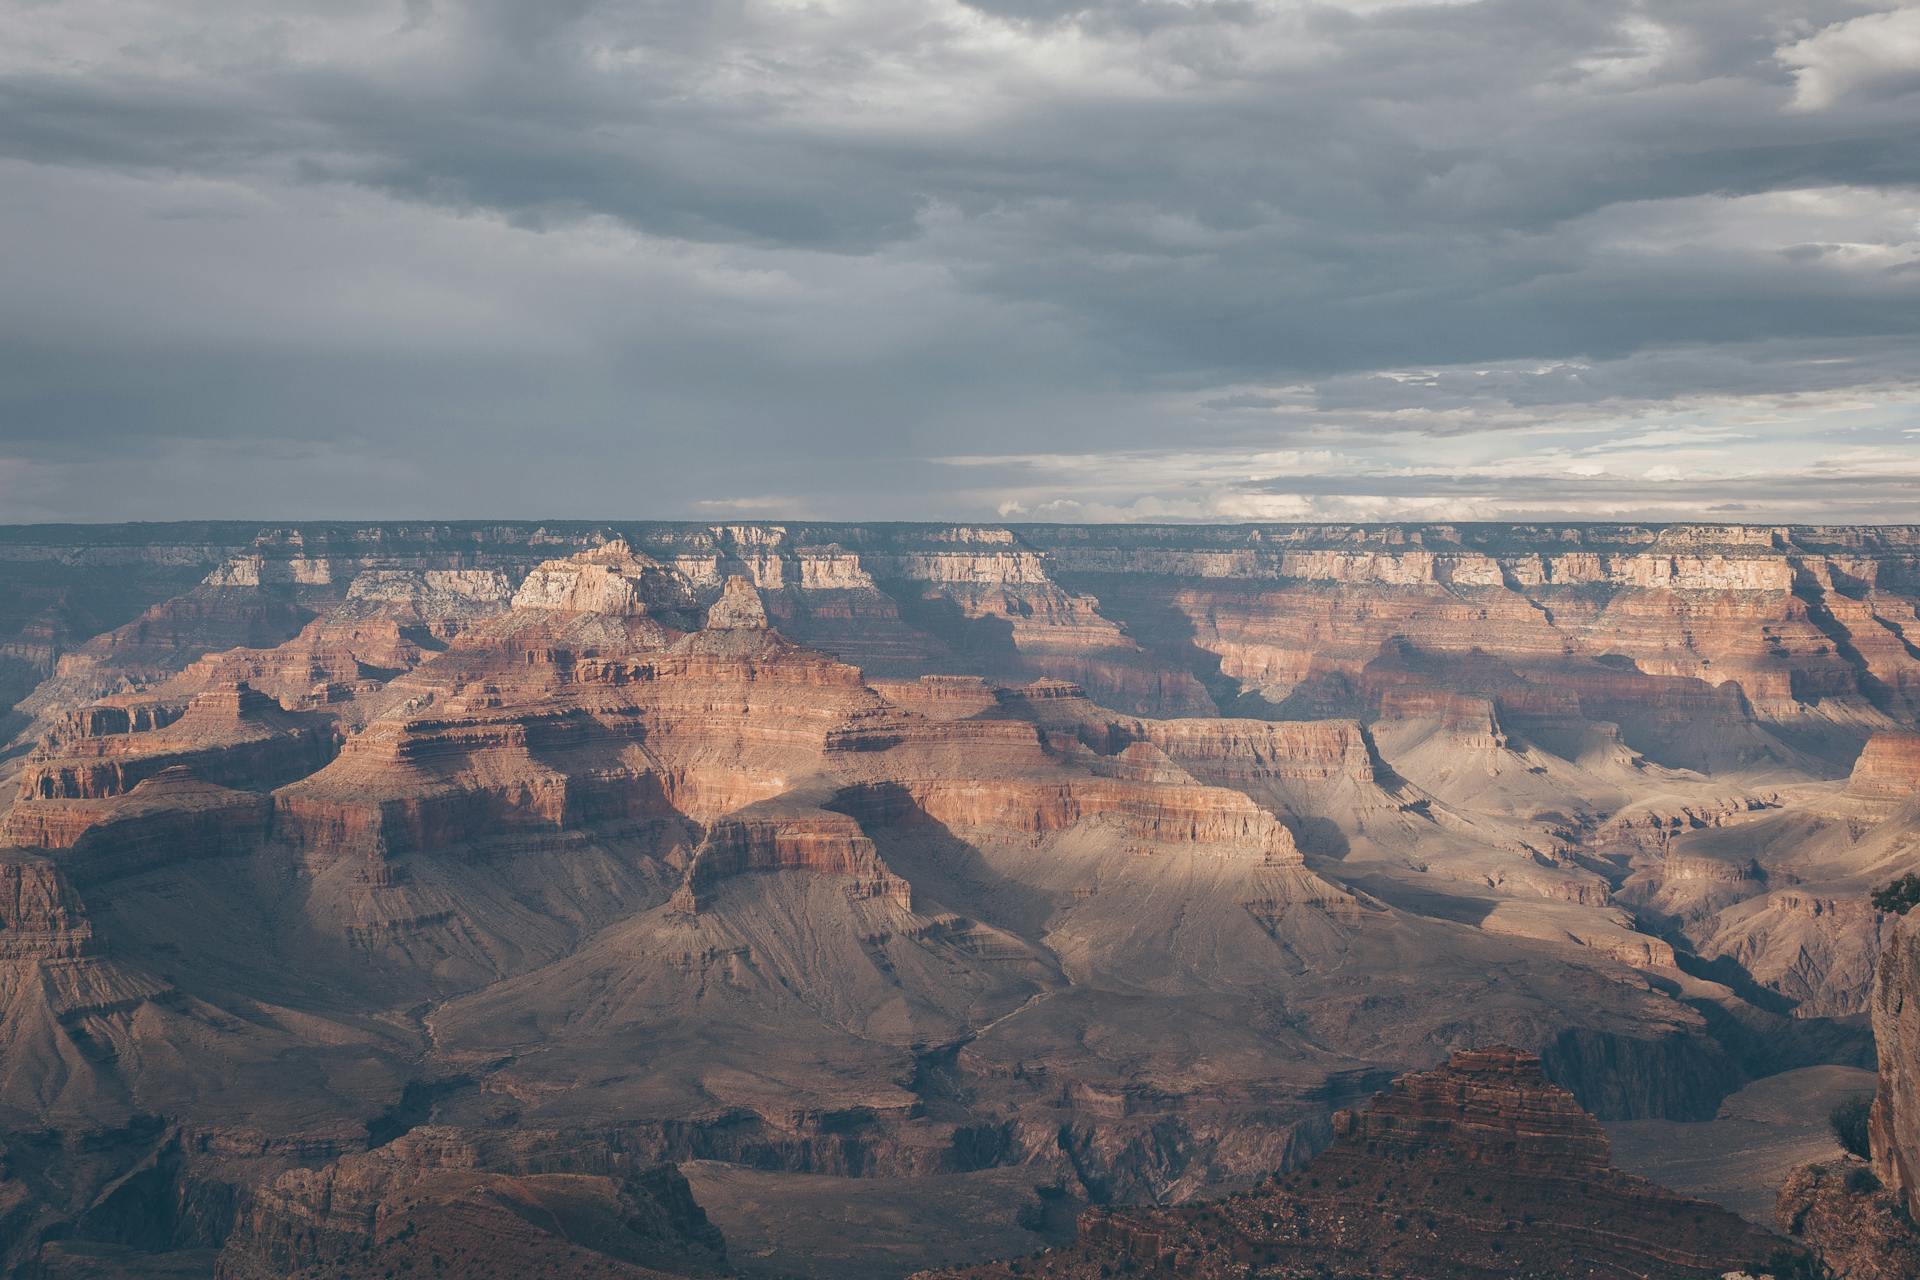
[1888, 767]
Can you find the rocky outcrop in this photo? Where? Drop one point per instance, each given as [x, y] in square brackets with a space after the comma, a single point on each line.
[737, 609]
[612, 580]
[165, 819]
[774, 838]
[1856, 1227]
[429, 595]
[41, 917]
[527, 729]
[1477, 1168]
[1146, 812]
[1245, 752]
[436, 1201]
[1888, 768]
[234, 736]
[1857, 1217]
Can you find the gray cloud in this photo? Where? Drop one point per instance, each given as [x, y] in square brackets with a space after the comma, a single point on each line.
[751, 256]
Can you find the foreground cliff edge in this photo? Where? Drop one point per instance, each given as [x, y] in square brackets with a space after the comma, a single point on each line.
[1858, 1214]
[659, 880]
[1481, 1167]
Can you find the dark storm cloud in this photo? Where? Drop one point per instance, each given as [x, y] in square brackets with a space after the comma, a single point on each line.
[789, 253]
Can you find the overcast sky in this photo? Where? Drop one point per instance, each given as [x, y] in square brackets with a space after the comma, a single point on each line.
[1022, 259]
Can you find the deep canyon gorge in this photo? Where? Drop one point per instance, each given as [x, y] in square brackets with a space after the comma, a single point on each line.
[640, 899]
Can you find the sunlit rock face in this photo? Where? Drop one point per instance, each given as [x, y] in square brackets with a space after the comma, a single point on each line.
[1888, 768]
[955, 860]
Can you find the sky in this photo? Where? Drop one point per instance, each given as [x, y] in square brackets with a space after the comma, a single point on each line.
[1166, 260]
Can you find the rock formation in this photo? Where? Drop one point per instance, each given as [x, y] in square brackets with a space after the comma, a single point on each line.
[436, 1202]
[1857, 1215]
[1888, 768]
[1859, 1229]
[1478, 1168]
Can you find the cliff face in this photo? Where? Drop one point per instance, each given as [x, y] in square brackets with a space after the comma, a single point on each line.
[1149, 619]
[1856, 1216]
[1895, 1125]
[231, 736]
[1110, 860]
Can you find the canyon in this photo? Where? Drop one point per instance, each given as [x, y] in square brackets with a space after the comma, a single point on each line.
[626, 899]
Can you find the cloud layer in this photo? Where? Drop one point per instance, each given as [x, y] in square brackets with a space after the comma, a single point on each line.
[1157, 259]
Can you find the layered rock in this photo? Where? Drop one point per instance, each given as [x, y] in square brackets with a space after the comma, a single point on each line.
[435, 1200]
[1888, 768]
[775, 838]
[41, 917]
[528, 729]
[737, 609]
[612, 579]
[233, 736]
[166, 818]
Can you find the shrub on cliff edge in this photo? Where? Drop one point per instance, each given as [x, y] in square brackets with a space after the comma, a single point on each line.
[1849, 1121]
[1899, 897]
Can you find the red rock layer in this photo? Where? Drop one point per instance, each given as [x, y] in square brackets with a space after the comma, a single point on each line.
[202, 621]
[1243, 752]
[1888, 767]
[165, 819]
[940, 697]
[815, 841]
[233, 736]
[528, 730]
[331, 662]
